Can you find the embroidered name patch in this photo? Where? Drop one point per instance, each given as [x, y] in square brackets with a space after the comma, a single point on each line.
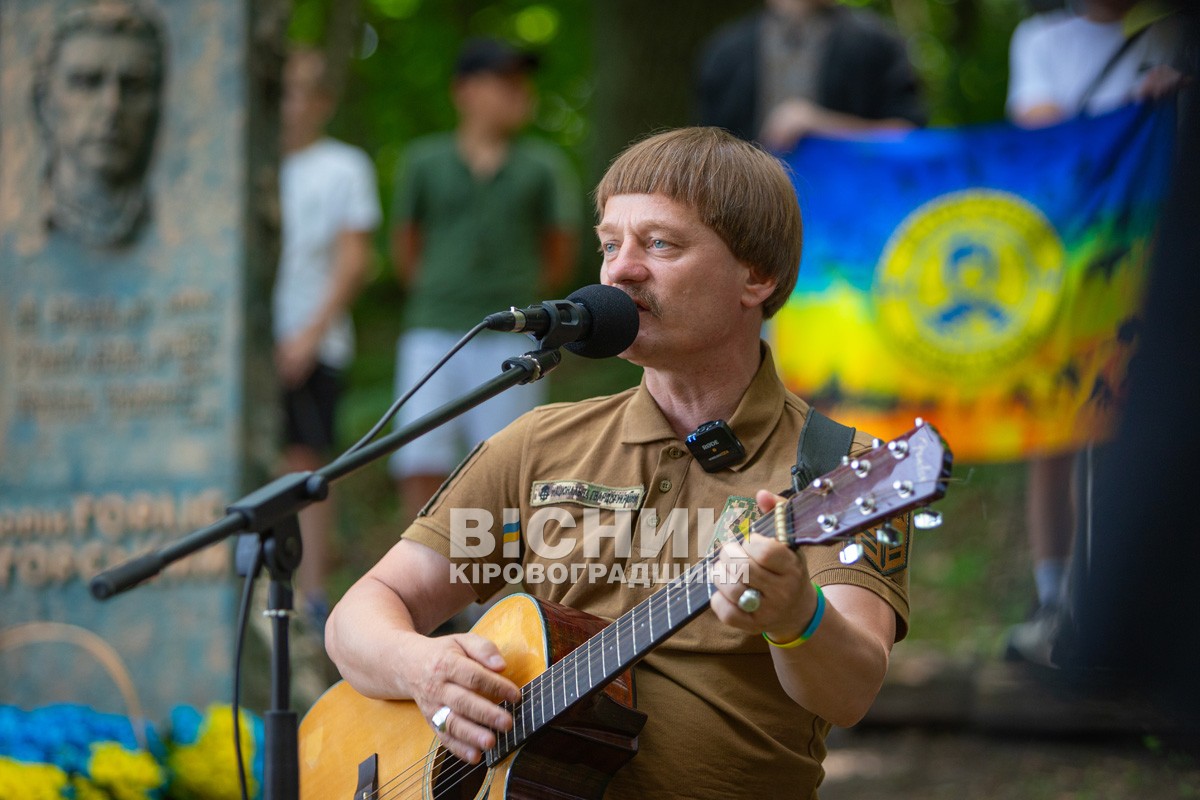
[593, 495]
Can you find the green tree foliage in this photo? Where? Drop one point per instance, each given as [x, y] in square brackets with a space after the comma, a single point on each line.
[960, 48]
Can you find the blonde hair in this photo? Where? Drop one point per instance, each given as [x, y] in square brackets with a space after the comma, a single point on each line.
[737, 189]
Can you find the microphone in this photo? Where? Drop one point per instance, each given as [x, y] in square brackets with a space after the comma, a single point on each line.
[596, 321]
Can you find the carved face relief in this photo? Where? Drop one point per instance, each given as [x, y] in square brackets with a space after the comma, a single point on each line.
[102, 103]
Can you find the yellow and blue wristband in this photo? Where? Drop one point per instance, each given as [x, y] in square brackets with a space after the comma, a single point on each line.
[813, 624]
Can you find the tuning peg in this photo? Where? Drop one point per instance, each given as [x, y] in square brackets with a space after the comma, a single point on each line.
[876, 444]
[918, 423]
[821, 485]
[903, 488]
[850, 553]
[845, 460]
[888, 536]
[927, 519]
[898, 448]
[861, 467]
[827, 521]
[865, 503]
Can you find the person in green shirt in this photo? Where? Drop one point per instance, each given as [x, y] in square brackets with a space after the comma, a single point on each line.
[483, 219]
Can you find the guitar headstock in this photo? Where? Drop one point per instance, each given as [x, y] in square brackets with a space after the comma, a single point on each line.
[892, 478]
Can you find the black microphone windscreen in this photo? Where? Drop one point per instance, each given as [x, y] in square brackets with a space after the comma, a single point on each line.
[614, 321]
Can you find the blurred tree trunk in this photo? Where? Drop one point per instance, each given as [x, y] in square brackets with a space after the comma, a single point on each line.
[343, 30]
[645, 67]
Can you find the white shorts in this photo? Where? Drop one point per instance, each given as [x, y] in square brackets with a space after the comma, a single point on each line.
[440, 450]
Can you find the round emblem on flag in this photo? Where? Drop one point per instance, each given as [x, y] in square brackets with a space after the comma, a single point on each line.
[969, 283]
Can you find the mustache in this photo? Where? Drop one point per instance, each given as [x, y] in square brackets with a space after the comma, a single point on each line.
[645, 299]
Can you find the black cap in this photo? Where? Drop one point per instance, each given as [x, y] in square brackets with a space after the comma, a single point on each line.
[492, 55]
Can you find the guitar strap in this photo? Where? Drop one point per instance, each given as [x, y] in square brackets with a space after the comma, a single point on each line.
[1112, 62]
[823, 443]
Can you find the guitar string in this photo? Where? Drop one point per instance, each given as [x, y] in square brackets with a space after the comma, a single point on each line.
[386, 790]
[435, 759]
[764, 525]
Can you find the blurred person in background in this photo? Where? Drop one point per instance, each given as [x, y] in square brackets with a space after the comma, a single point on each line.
[1132, 609]
[330, 208]
[483, 219]
[1063, 64]
[804, 67]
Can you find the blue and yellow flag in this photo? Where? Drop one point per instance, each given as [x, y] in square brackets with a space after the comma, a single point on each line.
[987, 279]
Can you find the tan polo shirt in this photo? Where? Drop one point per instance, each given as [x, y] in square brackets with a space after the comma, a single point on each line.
[594, 484]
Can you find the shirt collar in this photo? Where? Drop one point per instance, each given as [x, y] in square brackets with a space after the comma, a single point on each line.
[753, 421]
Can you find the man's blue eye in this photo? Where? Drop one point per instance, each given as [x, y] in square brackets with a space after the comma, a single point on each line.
[659, 243]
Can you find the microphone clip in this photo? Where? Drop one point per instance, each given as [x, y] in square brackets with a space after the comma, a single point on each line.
[536, 363]
[552, 323]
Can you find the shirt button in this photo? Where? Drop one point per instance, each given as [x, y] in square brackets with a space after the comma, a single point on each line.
[675, 452]
[664, 485]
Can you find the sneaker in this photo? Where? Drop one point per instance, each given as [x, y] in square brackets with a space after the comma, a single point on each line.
[1034, 640]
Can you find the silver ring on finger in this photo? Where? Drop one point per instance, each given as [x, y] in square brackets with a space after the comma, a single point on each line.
[440, 719]
[750, 600]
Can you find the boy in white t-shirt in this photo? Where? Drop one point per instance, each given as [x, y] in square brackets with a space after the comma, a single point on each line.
[1112, 53]
[330, 208]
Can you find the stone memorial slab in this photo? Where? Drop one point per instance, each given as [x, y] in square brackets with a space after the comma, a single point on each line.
[129, 251]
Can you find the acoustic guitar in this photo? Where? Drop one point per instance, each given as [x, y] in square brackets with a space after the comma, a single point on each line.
[575, 723]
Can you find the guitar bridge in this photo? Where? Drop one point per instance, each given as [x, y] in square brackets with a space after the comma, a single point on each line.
[368, 778]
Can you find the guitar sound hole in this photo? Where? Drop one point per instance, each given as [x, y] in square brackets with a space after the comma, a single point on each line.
[453, 779]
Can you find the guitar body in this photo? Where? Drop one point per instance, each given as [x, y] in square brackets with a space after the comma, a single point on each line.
[574, 757]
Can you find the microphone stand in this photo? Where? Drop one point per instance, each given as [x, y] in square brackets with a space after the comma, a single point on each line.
[269, 516]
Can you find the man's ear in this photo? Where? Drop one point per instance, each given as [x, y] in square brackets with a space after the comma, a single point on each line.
[757, 288]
